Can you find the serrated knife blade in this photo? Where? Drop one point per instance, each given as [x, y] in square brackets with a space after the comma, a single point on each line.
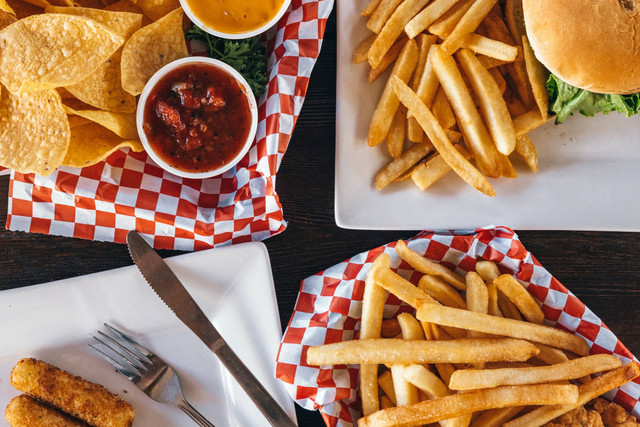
[173, 293]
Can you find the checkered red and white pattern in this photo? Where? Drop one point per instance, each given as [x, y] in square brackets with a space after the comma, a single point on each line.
[329, 306]
[129, 191]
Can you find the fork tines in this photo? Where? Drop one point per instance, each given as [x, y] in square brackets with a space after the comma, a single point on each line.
[126, 355]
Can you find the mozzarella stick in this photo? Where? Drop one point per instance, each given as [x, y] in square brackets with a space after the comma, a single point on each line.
[25, 411]
[84, 400]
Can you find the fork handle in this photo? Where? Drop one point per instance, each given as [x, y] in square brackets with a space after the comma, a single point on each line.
[194, 414]
[254, 389]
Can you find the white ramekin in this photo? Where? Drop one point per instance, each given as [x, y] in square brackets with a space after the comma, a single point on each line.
[221, 34]
[253, 106]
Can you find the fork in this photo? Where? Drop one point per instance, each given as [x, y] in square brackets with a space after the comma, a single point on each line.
[149, 372]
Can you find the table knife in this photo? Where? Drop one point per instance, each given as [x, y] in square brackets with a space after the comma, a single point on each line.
[171, 291]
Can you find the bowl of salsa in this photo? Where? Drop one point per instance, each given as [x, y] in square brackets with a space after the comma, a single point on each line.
[197, 117]
[235, 19]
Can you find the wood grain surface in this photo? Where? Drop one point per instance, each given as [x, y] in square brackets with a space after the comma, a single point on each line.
[602, 269]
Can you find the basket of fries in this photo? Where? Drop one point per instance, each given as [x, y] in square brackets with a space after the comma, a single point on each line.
[450, 325]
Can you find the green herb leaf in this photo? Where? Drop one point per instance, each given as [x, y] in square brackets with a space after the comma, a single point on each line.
[564, 100]
[247, 56]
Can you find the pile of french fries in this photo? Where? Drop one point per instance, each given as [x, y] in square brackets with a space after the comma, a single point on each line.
[475, 353]
[464, 86]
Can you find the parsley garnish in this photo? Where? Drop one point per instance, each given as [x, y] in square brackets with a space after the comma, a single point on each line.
[247, 56]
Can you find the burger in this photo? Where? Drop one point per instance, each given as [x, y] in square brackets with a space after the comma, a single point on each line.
[591, 49]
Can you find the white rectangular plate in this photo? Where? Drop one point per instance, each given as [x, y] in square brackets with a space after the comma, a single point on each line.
[588, 168]
[233, 286]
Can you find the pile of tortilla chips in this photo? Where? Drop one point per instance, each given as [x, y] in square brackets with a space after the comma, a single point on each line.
[70, 74]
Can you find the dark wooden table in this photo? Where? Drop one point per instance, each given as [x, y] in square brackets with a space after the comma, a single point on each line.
[602, 269]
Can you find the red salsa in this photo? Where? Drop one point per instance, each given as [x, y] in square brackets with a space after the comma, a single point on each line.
[197, 118]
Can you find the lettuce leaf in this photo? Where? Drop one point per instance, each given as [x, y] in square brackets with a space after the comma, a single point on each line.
[565, 99]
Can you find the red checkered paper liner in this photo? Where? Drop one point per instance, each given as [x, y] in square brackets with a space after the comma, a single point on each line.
[329, 306]
[129, 191]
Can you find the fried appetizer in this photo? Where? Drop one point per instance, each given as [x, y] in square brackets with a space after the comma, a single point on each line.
[25, 411]
[84, 400]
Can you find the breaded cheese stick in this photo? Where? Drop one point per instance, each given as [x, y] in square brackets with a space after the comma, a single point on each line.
[84, 400]
[25, 411]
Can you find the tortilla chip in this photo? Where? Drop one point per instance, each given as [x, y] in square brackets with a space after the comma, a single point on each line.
[94, 4]
[123, 24]
[39, 3]
[4, 6]
[151, 48]
[122, 124]
[124, 6]
[75, 121]
[51, 50]
[34, 131]
[6, 19]
[23, 9]
[156, 9]
[103, 88]
[92, 143]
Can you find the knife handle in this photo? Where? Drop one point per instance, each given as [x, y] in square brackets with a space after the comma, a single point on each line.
[258, 394]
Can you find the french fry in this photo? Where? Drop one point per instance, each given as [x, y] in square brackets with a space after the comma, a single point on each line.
[388, 103]
[515, 106]
[428, 86]
[406, 393]
[457, 318]
[444, 25]
[587, 392]
[428, 16]
[370, 7]
[427, 173]
[396, 135]
[517, 73]
[467, 24]
[401, 288]
[385, 403]
[442, 110]
[528, 152]
[494, 308]
[488, 270]
[393, 28]
[529, 121]
[551, 355]
[477, 297]
[439, 290]
[381, 14]
[475, 133]
[425, 380]
[429, 267]
[477, 294]
[445, 370]
[496, 417]
[537, 78]
[390, 327]
[433, 386]
[411, 329]
[399, 351]
[398, 166]
[497, 29]
[437, 136]
[518, 295]
[508, 308]
[490, 47]
[414, 131]
[370, 327]
[387, 60]
[514, 16]
[386, 385]
[499, 79]
[490, 63]
[471, 379]
[455, 405]
[361, 52]
[493, 107]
